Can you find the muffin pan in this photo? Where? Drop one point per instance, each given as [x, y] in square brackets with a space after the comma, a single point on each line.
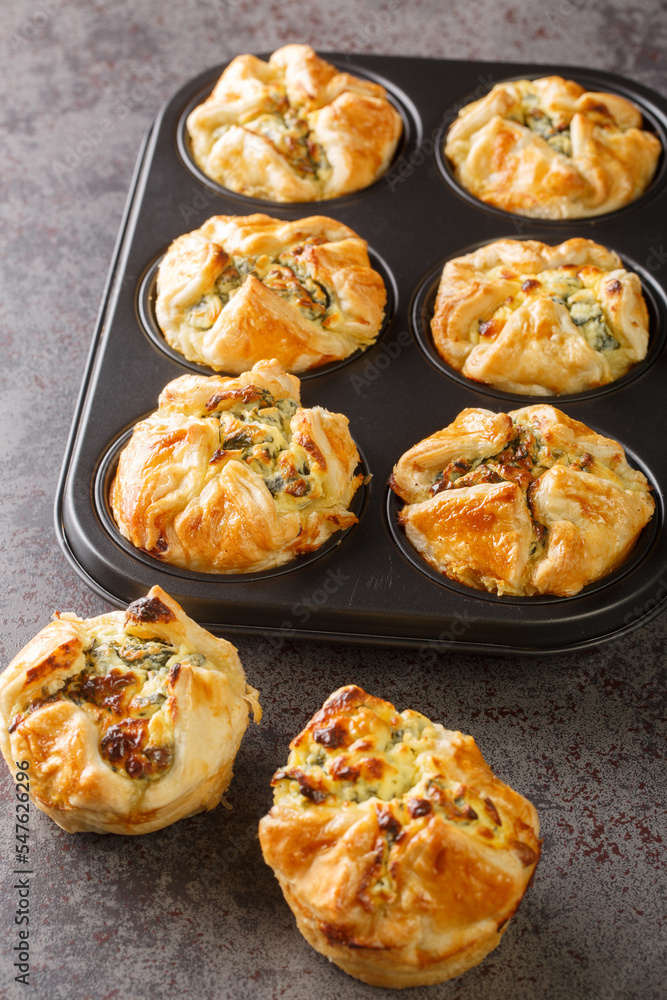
[367, 584]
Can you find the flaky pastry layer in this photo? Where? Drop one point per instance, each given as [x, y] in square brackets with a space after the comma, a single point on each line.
[550, 149]
[399, 852]
[540, 320]
[293, 128]
[243, 288]
[234, 475]
[127, 722]
[526, 502]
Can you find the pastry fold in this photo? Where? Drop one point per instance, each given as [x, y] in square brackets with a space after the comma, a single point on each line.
[540, 320]
[234, 475]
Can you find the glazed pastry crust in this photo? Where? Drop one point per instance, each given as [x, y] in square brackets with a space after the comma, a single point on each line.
[526, 502]
[399, 852]
[539, 320]
[233, 475]
[550, 149]
[125, 743]
[243, 288]
[293, 128]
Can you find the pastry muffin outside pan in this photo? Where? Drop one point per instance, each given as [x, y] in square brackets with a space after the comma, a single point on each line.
[399, 852]
[128, 721]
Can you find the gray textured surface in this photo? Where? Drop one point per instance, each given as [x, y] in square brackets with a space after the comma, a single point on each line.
[192, 911]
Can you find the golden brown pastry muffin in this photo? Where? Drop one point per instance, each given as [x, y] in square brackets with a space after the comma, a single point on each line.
[293, 128]
[129, 721]
[537, 319]
[233, 475]
[550, 149]
[399, 852]
[243, 288]
[527, 502]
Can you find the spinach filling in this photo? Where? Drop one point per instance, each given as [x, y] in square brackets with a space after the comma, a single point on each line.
[260, 434]
[285, 274]
[124, 684]
[282, 125]
[557, 134]
[581, 303]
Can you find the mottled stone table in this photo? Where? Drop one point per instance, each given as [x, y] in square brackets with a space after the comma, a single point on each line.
[192, 911]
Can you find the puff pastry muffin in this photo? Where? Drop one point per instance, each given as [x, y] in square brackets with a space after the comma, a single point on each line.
[129, 721]
[527, 502]
[293, 128]
[243, 288]
[550, 149]
[399, 852]
[537, 319]
[233, 475]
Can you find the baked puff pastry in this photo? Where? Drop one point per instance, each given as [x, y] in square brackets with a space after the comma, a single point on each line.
[550, 149]
[293, 128]
[233, 475]
[129, 721]
[399, 852]
[243, 288]
[527, 502]
[537, 319]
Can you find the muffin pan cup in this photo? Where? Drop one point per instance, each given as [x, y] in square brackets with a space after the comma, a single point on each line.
[365, 586]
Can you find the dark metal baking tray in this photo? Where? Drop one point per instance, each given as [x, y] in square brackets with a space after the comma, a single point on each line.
[367, 585]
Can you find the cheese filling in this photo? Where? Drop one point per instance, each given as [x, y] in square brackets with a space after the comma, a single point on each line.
[555, 131]
[259, 433]
[578, 289]
[123, 686]
[286, 274]
[370, 754]
[282, 125]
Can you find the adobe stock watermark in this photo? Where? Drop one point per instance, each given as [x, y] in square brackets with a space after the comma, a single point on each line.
[449, 638]
[379, 20]
[373, 367]
[197, 204]
[21, 874]
[656, 258]
[619, 643]
[406, 165]
[32, 25]
[90, 139]
[304, 609]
